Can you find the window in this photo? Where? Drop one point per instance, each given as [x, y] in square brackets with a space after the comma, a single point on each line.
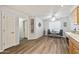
[56, 26]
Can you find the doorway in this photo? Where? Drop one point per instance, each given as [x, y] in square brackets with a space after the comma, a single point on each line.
[23, 29]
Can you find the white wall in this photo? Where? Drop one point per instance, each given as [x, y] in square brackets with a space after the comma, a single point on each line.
[38, 31]
[21, 28]
[46, 25]
[68, 24]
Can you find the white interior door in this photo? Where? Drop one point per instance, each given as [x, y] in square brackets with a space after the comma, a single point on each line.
[9, 31]
[14, 31]
[6, 31]
[26, 29]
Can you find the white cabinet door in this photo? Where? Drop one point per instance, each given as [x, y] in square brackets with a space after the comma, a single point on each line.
[9, 30]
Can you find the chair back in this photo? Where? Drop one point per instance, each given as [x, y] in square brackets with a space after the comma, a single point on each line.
[61, 32]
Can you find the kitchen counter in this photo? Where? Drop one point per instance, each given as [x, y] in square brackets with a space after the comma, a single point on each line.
[73, 35]
[73, 42]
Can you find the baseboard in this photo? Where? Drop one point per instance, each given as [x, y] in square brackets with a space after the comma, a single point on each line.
[25, 37]
[16, 44]
[1, 50]
[35, 37]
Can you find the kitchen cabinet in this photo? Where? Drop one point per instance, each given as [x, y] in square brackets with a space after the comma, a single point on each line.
[76, 14]
[73, 45]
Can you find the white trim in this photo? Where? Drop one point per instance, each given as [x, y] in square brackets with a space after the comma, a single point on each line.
[1, 50]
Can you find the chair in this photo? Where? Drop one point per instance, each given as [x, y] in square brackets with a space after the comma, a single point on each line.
[61, 32]
[49, 31]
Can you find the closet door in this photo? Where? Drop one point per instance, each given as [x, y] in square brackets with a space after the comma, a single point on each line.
[3, 31]
[9, 30]
[6, 31]
[14, 30]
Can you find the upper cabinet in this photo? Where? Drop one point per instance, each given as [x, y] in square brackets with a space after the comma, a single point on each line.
[77, 15]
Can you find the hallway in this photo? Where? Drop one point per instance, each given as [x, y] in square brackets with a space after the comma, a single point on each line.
[43, 45]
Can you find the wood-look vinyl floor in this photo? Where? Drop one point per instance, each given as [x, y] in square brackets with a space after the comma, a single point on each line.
[43, 45]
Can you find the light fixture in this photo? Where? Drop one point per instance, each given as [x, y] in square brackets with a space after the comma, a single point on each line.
[53, 19]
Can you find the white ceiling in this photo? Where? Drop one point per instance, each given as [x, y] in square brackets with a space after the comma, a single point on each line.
[44, 10]
[65, 11]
